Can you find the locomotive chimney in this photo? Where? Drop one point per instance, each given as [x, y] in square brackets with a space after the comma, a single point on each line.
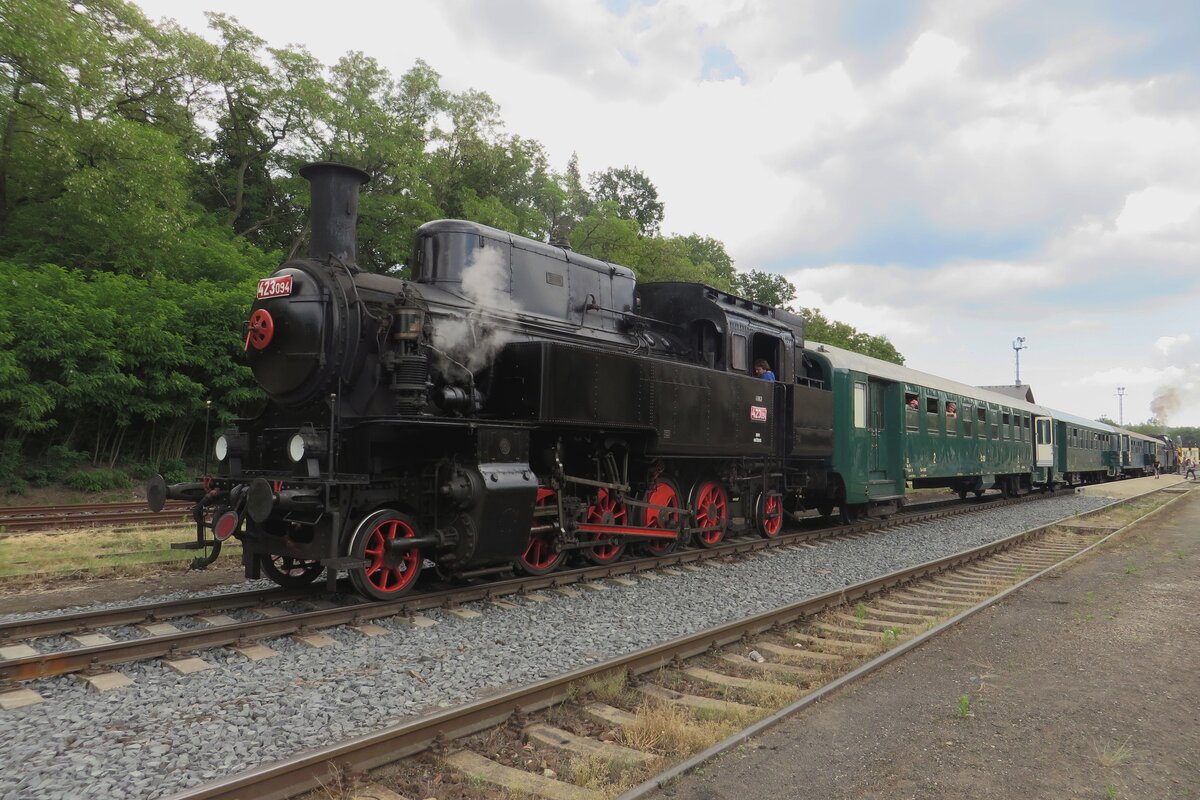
[334, 210]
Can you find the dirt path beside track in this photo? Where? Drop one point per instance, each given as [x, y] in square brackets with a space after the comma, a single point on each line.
[1083, 685]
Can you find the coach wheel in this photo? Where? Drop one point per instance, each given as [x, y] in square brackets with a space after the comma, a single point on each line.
[664, 492]
[825, 509]
[290, 572]
[540, 557]
[979, 492]
[710, 502]
[852, 512]
[607, 510]
[386, 573]
[962, 494]
[768, 514]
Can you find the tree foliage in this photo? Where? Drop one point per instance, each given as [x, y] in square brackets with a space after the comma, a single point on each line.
[148, 178]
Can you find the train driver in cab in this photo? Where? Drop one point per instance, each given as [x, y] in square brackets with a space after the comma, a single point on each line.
[763, 370]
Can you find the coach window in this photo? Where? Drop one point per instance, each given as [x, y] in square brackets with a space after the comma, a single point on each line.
[860, 404]
[932, 409]
[1004, 427]
[981, 415]
[995, 415]
[911, 411]
[1025, 421]
[737, 353]
[968, 418]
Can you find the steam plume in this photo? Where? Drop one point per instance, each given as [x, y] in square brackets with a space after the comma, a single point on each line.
[469, 340]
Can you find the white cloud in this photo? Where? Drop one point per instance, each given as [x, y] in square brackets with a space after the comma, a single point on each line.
[1165, 344]
[1155, 209]
[933, 59]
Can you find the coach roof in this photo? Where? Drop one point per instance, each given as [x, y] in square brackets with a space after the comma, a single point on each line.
[847, 360]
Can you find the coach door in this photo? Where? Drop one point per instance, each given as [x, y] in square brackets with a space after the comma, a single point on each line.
[877, 427]
[1044, 447]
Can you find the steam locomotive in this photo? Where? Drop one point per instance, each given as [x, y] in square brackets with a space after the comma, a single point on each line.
[512, 403]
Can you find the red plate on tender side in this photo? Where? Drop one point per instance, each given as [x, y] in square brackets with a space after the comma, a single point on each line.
[276, 286]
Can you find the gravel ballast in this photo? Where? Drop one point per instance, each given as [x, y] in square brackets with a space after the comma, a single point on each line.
[167, 732]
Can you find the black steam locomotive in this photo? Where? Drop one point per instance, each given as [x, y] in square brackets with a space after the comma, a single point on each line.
[510, 404]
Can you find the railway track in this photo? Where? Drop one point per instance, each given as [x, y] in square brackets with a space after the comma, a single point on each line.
[32, 519]
[155, 636]
[735, 670]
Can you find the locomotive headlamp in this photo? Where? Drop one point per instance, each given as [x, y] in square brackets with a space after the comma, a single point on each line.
[306, 444]
[230, 443]
[409, 322]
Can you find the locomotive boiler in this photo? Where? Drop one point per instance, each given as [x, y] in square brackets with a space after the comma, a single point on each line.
[509, 404]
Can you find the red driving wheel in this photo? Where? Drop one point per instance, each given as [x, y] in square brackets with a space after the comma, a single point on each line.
[662, 493]
[384, 574]
[607, 510]
[259, 330]
[711, 505]
[769, 514]
[540, 556]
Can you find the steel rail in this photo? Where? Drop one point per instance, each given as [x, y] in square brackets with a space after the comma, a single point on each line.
[43, 665]
[314, 769]
[61, 624]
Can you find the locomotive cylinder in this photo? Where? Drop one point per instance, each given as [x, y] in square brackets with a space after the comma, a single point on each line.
[334, 190]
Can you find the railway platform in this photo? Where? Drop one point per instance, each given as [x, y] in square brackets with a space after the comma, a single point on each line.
[1079, 685]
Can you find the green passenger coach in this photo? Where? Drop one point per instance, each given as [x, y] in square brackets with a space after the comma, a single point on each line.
[896, 427]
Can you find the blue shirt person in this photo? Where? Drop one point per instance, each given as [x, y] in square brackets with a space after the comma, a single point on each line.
[763, 370]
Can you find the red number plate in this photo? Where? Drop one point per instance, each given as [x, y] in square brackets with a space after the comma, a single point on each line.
[758, 413]
[279, 286]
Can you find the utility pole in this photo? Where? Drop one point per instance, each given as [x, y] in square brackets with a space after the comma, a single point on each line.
[1018, 346]
[1120, 405]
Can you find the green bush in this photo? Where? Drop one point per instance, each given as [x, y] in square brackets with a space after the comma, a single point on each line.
[176, 470]
[98, 480]
[61, 460]
[11, 481]
[140, 471]
[38, 476]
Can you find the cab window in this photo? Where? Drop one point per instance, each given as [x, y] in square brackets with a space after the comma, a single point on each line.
[737, 354]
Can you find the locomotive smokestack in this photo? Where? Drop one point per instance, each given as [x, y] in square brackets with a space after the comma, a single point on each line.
[334, 190]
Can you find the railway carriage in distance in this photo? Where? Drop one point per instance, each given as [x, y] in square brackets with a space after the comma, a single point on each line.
[1085, 450]
[894, 425]
[1136, 452]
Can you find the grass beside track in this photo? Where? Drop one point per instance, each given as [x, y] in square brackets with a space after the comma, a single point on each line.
[126, 551]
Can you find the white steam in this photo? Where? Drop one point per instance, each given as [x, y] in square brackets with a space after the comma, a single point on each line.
[472, 341]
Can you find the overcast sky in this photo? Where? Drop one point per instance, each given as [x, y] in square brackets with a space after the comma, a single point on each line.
[952, 175]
